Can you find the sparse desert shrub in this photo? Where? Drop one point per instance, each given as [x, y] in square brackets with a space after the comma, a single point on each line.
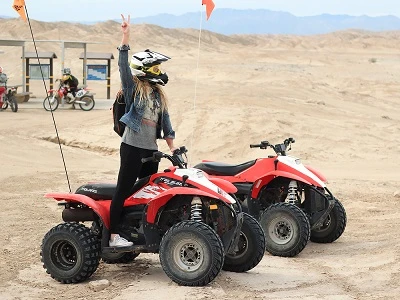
[372, 60]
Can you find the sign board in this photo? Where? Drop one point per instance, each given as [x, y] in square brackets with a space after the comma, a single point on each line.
[96, 72]
[35, 71]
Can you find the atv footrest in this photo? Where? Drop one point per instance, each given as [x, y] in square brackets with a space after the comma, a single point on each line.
[134, 248]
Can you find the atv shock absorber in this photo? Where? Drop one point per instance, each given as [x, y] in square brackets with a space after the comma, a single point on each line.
[292, 193]
[196, 207]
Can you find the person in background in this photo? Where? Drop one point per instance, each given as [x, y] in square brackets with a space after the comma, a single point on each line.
[3, 85]
[146, 116]
[71, 83]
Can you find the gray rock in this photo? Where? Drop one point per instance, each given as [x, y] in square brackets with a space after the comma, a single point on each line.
[99, 285]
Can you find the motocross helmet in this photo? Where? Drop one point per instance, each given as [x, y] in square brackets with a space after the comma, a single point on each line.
[66, 71]
[146, 66]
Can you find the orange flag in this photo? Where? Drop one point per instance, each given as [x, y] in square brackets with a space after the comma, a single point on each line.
[209, 7]
[19, 6]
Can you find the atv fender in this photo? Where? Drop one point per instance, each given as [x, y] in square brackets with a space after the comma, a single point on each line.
[262, 181]
[224, 184]
[100, 210]
[154, 205]
[317, 173]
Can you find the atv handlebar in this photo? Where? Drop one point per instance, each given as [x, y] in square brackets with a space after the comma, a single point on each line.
[176, 158]
[280, 149]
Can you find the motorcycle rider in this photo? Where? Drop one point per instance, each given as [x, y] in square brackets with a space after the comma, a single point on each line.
[71, 83]
[3, 84]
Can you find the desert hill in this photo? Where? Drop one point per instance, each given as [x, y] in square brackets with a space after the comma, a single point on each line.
[183, 46]
[259, 75]
[337, 94]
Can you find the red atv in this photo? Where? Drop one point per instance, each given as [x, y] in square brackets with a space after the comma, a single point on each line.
[192, 222]
[290, 200]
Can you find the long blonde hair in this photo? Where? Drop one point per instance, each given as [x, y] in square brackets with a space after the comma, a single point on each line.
[144, 89]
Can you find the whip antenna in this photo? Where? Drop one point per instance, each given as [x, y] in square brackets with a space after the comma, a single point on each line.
[209, 8]
[18, 9]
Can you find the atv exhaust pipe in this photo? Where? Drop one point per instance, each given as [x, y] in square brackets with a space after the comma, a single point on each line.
[78, 214]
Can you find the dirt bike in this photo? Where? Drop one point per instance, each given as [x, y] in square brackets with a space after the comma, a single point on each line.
[192, 222]
[290, 200]
[82, 97]
[9, 99]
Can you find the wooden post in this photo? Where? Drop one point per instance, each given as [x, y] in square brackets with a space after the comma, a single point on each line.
[27, 75]
[108, 78]
[84, 64]
[24, 87]
[51, 73]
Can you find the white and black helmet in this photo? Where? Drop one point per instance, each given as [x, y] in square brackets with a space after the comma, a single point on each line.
[145, 65]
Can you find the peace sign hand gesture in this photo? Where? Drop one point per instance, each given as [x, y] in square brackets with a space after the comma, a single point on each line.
[125, 25]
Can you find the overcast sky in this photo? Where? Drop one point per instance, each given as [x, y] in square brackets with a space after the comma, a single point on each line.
[95, 10]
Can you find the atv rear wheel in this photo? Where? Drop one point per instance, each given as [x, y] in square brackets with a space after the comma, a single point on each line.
[333, 226]
[250, 249]
[286, 228]
[191, 253]
[70, 252]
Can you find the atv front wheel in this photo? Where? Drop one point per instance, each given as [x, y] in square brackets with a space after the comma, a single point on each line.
[250, 249]
[286, 228]
[191, 253]
[333, 226]
[70, 252]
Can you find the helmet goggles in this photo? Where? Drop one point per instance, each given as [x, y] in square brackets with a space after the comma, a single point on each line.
[153, 70]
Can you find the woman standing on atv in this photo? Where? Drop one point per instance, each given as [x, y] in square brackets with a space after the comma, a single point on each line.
[146, 115]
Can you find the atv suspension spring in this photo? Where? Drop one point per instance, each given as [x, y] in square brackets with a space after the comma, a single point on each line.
[196, 208]
[292, 193]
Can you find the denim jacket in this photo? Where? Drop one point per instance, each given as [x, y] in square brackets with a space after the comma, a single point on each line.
[134, 109]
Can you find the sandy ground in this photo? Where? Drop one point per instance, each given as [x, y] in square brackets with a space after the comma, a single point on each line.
[337, 95]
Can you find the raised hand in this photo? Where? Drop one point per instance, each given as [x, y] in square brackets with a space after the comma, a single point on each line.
[125, 25]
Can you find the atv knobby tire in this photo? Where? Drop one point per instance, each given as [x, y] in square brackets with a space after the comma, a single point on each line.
[70, 252]
[286, 228]
[191, 253]
[250, 249]
[333, 226]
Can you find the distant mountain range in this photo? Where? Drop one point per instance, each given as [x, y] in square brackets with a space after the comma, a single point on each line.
[262, 21]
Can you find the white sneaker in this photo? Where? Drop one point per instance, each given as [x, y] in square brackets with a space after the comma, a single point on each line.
[70, 98]
[120, 242]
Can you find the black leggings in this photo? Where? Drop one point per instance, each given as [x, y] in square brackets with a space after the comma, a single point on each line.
[130, 170]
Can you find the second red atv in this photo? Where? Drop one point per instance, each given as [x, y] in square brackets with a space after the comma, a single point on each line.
[290, 200]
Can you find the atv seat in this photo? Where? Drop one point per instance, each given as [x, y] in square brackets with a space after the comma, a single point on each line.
[223, 169]
[106, 191]
[97, 191]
